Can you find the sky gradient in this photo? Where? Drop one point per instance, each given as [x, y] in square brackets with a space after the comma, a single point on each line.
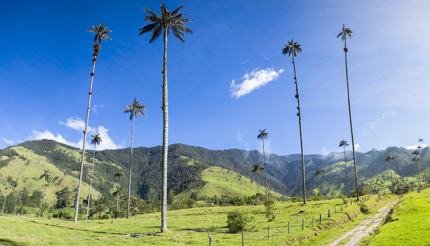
[227, 81]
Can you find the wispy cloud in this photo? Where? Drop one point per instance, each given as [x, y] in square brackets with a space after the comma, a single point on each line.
[253, 81]
[389, 113]
[8, 141]
[78, 125]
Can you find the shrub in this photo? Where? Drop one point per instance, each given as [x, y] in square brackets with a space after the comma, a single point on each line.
[270, 213]
[237, 220]
[364, 209]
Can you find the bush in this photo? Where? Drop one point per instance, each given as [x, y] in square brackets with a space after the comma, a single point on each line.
[238, 220]
[62, 214]
[364, 209]
[270, 213]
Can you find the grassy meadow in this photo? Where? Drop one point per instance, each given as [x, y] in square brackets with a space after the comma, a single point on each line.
[191, 226]
[410, 222]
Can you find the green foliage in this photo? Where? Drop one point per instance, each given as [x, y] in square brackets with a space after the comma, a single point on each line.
[364, 208]
[270, 213]
[63, 198]
[238, 220]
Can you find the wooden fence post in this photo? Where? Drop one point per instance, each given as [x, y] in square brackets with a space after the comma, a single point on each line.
[328, 213]
[243, 236]
[320, 219]
[289, 227]
[303, 224]
[268, 232]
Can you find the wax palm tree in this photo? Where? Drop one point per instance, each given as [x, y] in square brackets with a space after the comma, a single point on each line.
[257, 168]
[262, 136]
[292, 49]
[344, 144]
[96, 140]
[344, 34]
[135, 110]
[389, 158]
[118, 175]
[101, 33]
[164, 23]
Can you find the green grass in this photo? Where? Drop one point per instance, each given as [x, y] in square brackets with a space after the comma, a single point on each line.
[187, 226]
[411, 222]
[27, 167]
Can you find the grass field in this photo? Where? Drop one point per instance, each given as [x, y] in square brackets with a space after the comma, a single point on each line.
[190, 226]
[411, 222]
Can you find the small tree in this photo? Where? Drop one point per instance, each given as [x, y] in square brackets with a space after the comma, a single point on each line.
[236, 221]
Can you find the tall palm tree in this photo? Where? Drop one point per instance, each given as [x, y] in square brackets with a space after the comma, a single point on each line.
[164, 23]
[344, 144]
[117, 175]
[135, 110]
[389, 158]
[344, 34]
[292, 49]
[101, 33]
[262, 136]
[257, 168]
[96, 140]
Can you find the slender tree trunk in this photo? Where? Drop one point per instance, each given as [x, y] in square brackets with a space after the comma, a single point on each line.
[91, 183]
[117, 199]
[87, 119]
[346, 167]
[4, 204]
[265, 172]
[350, 122]
[299, 114]
[129, 167]
[165, 137]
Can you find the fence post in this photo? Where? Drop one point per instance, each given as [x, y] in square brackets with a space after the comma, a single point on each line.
[243, 236]
[328, 213]
[320, 219]
[341, 208]
[288, 227]
[303, 224]
[268, 232]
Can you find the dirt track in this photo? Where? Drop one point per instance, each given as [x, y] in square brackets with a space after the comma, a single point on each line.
[365, 228]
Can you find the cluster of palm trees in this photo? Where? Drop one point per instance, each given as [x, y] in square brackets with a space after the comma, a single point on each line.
[293, 49]
[158, 24]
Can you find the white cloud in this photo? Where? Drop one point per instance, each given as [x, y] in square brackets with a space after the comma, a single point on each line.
[8, 141]
[37, 135]
[325, 151]
[416, 146]
[357, 147]
[78, 124]
[254, 80]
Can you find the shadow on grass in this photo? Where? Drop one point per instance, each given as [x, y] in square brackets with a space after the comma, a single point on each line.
[131, 234]
[8, 242]
[210, 229]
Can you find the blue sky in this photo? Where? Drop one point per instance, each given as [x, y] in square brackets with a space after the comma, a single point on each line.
[45, 57]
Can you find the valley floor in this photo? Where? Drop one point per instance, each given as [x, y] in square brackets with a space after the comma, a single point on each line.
[191, 226]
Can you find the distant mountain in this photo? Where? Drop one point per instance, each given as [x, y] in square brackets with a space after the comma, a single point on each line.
[189, 168]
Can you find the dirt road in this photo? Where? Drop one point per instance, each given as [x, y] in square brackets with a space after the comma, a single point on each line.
[364, 229]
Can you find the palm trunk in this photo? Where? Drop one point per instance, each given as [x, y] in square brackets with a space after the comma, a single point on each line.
[346, 167]
[117, 199]
[165, 137]
[265, 173]
[4, 204]
[87, 118]
[91, 183]
[299, 114]
[129, 167]
[350, 122]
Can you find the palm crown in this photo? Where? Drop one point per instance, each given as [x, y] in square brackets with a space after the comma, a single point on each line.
[345, 33]
[101, 33]
[257, 167]
[343, 143]
[262, 134]
[292, 49]
[135, 109]
[173, 20]
[96, 139]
